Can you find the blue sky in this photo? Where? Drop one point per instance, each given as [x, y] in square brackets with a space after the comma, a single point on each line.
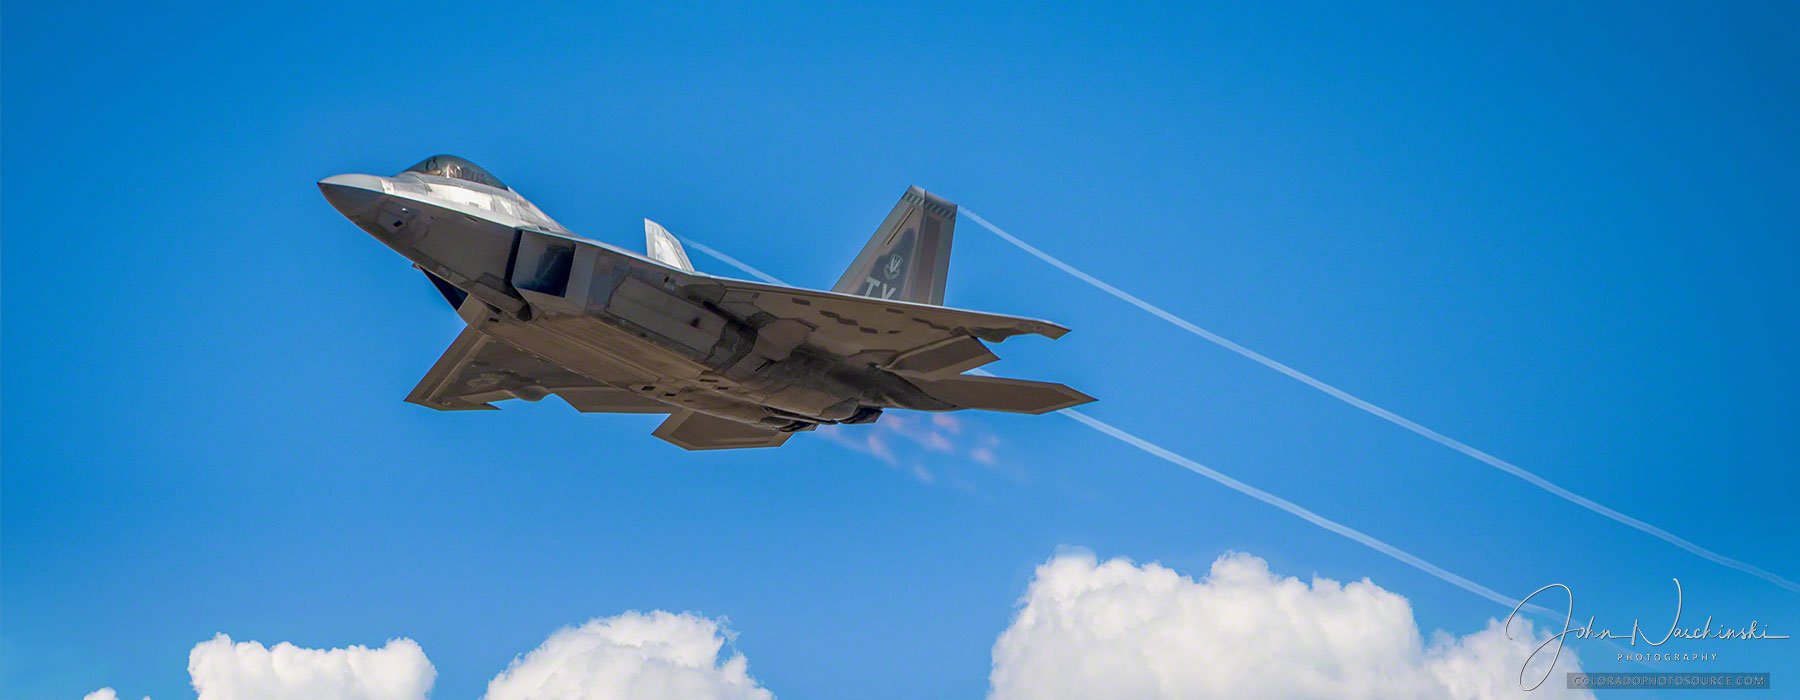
[1564, 236]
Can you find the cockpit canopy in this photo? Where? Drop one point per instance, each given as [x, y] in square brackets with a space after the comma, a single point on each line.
[457, 169]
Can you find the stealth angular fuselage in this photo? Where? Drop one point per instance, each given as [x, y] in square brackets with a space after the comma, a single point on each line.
[734, 363]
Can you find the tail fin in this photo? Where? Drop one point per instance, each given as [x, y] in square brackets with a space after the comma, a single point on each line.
[909, 257]
[663, 248]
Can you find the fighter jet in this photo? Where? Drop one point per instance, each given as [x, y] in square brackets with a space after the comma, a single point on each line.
[733, 363]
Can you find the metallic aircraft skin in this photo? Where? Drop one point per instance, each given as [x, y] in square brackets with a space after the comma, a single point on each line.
[734, 363]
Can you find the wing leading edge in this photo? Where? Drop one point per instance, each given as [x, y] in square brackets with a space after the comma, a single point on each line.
[478, 369]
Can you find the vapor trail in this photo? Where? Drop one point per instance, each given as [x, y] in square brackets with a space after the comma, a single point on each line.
[1107, 429]
[1358, 536]
[734, 262]
[1387, 415]
[1354, 534]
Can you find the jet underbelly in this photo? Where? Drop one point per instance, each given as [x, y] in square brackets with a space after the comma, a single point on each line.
[733, 363]
[595, 349]
[625, 310]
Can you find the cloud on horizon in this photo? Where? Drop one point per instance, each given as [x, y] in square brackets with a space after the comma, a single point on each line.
[1119, 630]
[630, 655]
[1083, 629]
[633, 655]
[223, 670]
[103, 694]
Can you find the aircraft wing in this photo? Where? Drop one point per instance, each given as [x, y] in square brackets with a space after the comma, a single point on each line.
[849, 325]
[698, 431]
[479, 368]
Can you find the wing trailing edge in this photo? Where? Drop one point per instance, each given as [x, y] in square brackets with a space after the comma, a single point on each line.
[1001, 394]
[692, 430]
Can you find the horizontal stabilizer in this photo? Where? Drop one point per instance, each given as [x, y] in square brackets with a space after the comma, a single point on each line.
[1000, 394]
[690, 430]
[939, 360]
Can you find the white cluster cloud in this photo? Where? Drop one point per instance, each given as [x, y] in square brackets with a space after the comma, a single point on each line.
[634, 655]
[1119, 630]
[223, 670]
[1084, 629]
[103, 694]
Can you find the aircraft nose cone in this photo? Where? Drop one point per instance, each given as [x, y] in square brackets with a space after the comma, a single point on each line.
[352, 195]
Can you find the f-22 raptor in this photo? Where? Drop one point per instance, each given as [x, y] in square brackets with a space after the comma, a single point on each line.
[733, 363]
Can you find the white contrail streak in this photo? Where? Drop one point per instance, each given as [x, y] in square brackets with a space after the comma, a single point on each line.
[1354, 534]
[1358, 536]
[1387, 415]
[734, 262]
[1239, 486]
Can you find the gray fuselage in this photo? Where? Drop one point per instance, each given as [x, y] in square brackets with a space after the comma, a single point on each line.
[612, 315]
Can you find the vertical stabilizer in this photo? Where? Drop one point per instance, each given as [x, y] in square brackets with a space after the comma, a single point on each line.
[662, 247]
[909, 257]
